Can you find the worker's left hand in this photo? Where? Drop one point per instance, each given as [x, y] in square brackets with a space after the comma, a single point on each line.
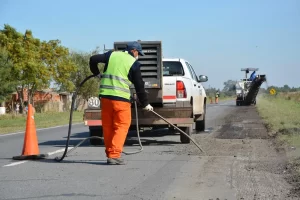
[148, 108]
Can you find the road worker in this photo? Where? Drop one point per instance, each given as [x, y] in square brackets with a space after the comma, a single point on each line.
[252, 76]
[217, 97]
[120, 71]
[211, 94]
[211, 99]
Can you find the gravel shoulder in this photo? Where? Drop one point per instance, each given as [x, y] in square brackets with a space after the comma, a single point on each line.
[242, 158]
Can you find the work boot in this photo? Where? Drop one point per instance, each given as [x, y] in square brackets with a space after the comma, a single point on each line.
[115, 161]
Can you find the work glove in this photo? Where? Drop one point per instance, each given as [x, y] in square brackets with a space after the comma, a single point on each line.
[148, 108]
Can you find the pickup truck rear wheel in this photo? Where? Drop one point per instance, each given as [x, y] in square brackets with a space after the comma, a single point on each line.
[96, 131]
[200, 125]
[183, 138]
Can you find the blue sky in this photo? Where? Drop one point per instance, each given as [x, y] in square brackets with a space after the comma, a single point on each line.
[216, 37]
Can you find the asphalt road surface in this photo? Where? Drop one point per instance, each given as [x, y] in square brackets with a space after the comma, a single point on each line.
[241, 163]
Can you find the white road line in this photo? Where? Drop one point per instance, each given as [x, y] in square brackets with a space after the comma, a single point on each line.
[7, 134]
[58, 151]
[50, 153]
[15, 163]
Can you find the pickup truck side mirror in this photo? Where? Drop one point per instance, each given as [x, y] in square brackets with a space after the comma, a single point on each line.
[203, 78]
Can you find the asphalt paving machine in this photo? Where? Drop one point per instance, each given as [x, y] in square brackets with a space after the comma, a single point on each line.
[248, 88]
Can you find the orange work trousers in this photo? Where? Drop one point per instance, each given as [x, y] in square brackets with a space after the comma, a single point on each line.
[116, 120]
[216, 99]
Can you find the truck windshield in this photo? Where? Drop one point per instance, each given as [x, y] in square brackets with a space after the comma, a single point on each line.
[172, 68]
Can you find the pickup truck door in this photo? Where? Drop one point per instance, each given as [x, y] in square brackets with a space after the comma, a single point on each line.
[197, 106]
[202, 94]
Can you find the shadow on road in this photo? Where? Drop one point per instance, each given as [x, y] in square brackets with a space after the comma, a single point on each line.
[129, 142]
[148, 138]
[92, 162]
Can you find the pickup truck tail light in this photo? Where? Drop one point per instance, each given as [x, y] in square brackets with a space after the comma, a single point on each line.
[180, 90]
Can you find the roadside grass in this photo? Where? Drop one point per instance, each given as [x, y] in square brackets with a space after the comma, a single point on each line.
[10, 123]
[281, 114]
[291, 96]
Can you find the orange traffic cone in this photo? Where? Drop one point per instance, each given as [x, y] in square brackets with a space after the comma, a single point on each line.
[30, 146]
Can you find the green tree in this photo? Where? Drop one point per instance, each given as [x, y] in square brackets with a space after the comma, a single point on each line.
[57, 60]
[286, 88]
[7, 86]
[91, 87]
[35, 62]
[229, 88]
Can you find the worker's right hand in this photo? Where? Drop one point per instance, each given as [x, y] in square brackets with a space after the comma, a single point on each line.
[148, 108]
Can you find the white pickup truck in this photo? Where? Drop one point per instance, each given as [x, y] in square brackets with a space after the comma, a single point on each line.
[181, 85]
[181, 99]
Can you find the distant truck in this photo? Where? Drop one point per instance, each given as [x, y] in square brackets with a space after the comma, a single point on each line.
[174, 90]
[247, 89]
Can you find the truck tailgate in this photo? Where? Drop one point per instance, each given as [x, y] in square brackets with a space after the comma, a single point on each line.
[169, 91]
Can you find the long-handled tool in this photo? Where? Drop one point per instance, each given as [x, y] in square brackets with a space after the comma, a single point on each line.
[66, 152]
[181, 131]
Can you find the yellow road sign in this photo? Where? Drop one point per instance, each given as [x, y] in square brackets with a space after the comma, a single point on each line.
[272, 91]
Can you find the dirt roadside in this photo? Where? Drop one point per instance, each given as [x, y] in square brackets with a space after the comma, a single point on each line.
[260, 168]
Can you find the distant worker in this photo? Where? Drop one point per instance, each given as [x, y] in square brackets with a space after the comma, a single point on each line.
[252, 76]
[217, 97]
[211, 98]
[120, 71]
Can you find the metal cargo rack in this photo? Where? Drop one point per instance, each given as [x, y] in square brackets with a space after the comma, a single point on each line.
[151, 68]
